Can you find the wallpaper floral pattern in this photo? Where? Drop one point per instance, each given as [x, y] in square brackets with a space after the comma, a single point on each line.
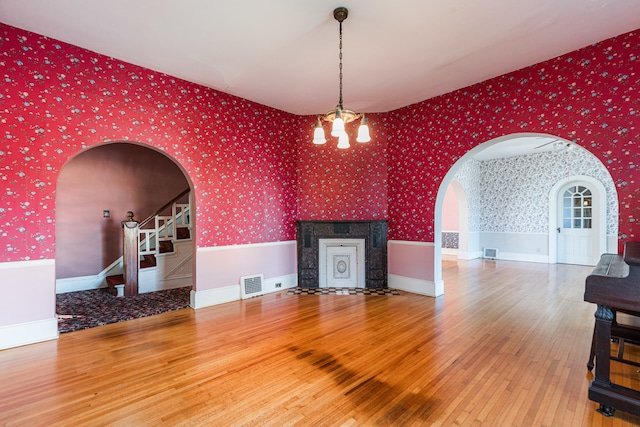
[469, 176]
[512, 194]
[589, 96]
[254, 169]
[337, 184]
[57, 100]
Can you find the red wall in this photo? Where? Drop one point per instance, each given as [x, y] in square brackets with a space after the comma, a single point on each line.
[255, 170]
[349, 184]
[57, 100]
[589, 96]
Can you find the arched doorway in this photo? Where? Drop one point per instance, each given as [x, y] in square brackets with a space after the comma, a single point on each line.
[95, 189]
[520, 198]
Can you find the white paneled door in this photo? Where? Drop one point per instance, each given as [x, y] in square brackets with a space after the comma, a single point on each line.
[577, 225]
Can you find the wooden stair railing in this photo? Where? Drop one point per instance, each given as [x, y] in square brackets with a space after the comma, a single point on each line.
[139, 242]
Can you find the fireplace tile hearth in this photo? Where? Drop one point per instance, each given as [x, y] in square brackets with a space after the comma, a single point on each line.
[342, 291]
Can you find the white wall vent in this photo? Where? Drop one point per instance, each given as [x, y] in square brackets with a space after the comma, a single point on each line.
[251, 286]
[491, 253]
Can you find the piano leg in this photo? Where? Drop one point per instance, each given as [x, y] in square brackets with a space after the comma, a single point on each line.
[592, 354]
[604, 318]
[605, 410]
[601, 390]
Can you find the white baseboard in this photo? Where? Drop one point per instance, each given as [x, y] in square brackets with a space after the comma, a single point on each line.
[287, 281]
[449, 251]
[201, 299]
[513, 256]
[209, 297]
[416, 286]
[75, 284]
[28, 333]
[469, 255]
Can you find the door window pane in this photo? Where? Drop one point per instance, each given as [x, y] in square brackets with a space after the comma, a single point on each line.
[577, 207]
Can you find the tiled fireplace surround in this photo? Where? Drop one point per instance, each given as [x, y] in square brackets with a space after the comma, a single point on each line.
[374, 234]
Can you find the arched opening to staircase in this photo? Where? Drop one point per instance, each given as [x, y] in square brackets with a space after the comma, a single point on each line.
[95, 190]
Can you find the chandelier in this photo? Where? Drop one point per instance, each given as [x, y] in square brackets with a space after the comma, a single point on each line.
[339, 116]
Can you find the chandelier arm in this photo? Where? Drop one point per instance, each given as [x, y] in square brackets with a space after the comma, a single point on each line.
[339, 116]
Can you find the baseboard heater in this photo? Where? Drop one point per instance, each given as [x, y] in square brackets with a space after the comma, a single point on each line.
[490, 253]
[251, 286]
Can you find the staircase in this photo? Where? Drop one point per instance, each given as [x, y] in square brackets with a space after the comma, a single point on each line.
[164, 250]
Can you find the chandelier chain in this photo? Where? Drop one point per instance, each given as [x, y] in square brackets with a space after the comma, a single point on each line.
[340, 57]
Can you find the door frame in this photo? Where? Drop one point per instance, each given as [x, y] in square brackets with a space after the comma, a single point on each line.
[599, 201]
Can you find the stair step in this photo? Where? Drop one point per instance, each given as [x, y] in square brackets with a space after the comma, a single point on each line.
[148, 261]
[165, 246]
[112, 281]
[182, 233]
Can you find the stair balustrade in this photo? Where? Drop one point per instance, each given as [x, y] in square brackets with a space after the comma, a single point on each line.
[142, 244]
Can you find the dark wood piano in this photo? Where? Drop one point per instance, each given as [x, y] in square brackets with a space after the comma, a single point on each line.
[614, 285]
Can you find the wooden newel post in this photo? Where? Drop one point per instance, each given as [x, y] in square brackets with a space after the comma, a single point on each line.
[130, 254]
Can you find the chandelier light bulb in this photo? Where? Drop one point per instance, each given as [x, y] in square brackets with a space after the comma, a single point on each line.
[318, 134]
[343, 140]
[338, 124]
[363, 131]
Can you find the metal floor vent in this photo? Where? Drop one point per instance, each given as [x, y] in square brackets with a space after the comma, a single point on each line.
[251, 286]
[491, 253]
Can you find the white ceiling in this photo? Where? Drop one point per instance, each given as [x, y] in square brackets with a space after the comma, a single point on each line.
[519, 146]
[284, 53]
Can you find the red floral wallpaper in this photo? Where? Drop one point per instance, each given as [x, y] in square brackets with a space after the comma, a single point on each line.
[57, 99]
[588, 96]
[337, 184]
[255, 170]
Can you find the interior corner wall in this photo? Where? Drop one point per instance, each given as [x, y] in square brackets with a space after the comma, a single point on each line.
[252, 167]
[588, 96]
[58, 100]
[333, 184]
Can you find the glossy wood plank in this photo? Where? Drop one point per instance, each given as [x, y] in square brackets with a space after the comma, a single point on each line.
[506, 345]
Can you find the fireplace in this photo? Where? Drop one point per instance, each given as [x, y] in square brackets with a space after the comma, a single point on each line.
[342, 254]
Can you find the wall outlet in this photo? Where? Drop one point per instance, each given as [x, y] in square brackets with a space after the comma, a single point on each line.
[278, 285]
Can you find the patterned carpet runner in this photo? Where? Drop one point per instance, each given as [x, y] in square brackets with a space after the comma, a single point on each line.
[87, 309]
[97, 307]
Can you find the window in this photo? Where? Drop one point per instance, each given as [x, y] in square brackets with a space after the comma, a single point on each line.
[577, 207]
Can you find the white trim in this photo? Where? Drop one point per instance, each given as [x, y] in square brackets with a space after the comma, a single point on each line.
[450, 251]
[246, 245]
[83, 283]
[409, 242]
[416, 286]
[74, 284]
[200, 299]
[600, 200]
[514, 256]
[28, 333]
[210, 297]
[27, 264]
[469, 255]
[286, 282]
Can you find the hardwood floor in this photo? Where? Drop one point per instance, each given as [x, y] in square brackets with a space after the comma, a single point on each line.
[507, 345]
